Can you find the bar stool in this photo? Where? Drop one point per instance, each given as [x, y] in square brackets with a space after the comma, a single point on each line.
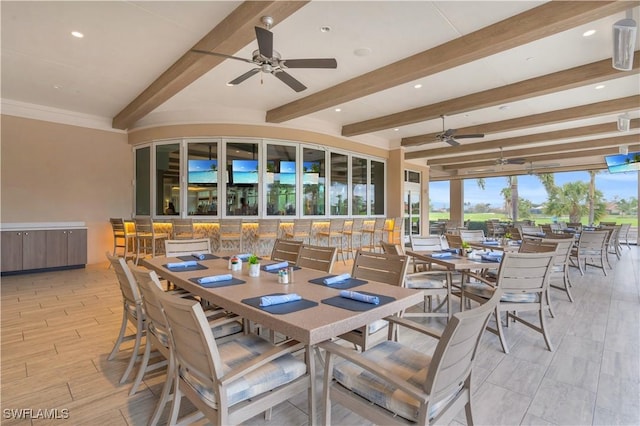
[182, 229]
[301, 231]
[122, 239]
[147, 237]
[376, 232]
[354, 230]
[335, 232]
[267, 230]
[230, 232]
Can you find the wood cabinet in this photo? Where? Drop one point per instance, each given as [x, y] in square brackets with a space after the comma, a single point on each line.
[66, 247]
[35, 249]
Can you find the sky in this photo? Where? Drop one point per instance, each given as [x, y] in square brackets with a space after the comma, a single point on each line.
[624, 185]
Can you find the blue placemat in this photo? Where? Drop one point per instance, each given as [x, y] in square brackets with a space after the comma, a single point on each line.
[275, 271]
[197, 267]
[355, 305]
[232, 281]
[283, 308]
[350, 283]
[191, 257]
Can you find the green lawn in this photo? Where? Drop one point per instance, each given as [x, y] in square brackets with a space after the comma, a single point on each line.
[539, 219]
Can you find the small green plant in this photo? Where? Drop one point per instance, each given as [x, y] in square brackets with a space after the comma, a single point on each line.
[465, 245]
[253, 260]
[507, 236]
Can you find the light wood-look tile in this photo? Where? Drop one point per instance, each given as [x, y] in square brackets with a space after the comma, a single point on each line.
[57, 329]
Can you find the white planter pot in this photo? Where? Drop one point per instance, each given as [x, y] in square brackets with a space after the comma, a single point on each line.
[254, 270]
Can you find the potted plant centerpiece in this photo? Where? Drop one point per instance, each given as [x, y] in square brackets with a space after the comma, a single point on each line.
[466, 248]
[506, 238]
[254, 265]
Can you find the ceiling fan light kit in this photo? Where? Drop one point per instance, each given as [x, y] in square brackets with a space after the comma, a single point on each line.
[269, 61]
[624, 40]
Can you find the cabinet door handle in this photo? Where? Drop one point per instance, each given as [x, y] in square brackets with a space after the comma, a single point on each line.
[19, 233]
[26, 233]
[71, 232]
[64, 232]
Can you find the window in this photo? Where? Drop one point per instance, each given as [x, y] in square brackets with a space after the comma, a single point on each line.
[338, 194]
[202, 178]
[281, 178]
[439, 200]
[143, 181]
[359, 186]
[243, 178]
[377, 187]
[168, 179]
[313, 181]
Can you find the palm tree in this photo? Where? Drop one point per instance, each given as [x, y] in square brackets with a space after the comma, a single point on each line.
[573, 199]
[592, 191]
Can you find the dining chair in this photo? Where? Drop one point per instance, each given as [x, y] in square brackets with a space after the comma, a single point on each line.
[122, 239]
[319, 258]
[559, 278]
[472, 235]
[132, 312]
[433, 283]
[220, 322]
[230, 235]
[424, 243]
[494, 229]
[286, 250]
[591, 247]
[182, 229]
[393, 383]
[146, 237]
[454, 241]
[301, 230]
[613, 241]
[623, 235]
[231, 381]
[385, 268]
[523, 279]
[268, 230]
[175, 248]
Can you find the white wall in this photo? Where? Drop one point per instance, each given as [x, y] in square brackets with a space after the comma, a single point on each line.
[61, 173]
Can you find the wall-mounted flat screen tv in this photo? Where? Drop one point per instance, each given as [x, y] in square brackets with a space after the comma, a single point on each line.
[244, 171]
[622, 163]
[287, 172]
[203, 171]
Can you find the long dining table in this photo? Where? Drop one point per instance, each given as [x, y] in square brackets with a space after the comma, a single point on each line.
[318, 322]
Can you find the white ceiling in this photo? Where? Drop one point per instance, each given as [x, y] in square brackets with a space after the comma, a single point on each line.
[128, 44]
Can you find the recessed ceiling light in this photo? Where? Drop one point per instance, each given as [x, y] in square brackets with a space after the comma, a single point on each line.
[325, 29]
[57, 86]
[417, 86]
[362, 51]
[504, 107]
[337, 110]
[230, 85]
[588, 33]
[530, 58]
[396, 129]
[77, 34]
[600, 86]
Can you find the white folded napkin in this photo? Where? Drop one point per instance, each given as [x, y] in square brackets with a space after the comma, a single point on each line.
[360, 297]
[185, 264]
[215, 279]
[337, 279]
[275, 266]
[279, 299]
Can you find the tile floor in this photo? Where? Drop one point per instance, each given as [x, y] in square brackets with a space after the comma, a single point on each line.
[57, 329]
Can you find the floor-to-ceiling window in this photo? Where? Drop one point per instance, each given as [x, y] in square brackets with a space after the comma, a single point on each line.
[281, 179]
[202, 178]
[221, 177]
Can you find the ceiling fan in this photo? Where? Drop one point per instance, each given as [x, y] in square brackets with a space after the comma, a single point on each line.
[268, 60]
[449, 135]
[504, 161]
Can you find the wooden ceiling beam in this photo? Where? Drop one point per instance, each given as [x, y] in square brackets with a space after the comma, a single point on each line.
[592, 73]
[555, 152]
[534, 24]
[509, 143]
[608, 107]
[517, 172]
[613, 106]
[232, 34]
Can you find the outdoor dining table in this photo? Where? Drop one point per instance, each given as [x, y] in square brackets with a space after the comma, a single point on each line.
[454, 263]
[489, 245]
[318, 320]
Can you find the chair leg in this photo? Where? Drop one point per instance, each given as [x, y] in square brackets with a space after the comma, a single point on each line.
[328, 372]
[545, 334]
[177, 397]
[548, 296]
[142, 369]
[134, 354]
[123, 328]
[500, 330]
[165, 395]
